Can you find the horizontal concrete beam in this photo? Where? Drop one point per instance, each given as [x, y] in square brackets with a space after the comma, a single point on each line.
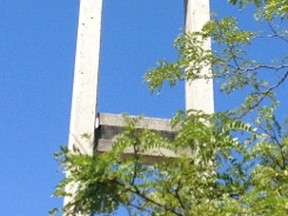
[117, 120]
[110, 125]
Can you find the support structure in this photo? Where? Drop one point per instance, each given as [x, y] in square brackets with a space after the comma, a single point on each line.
[111, 125]
[85, 86]
[102, 129]
[86, 73]
[199, 93]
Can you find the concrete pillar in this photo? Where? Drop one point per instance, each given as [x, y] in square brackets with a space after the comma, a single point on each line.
[85, 86]
[198, 93]
[84, 99]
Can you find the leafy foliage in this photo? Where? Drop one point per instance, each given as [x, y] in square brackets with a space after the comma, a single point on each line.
[228, 163]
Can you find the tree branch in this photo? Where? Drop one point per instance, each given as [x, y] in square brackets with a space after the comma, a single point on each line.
[135, 190]
[264, 95]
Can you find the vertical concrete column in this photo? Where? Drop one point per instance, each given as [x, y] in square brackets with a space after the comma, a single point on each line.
[84, 99]
[85, 86]
[198, 93]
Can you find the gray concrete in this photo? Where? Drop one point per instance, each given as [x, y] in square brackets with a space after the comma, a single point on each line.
[110, 125]
[85, 86]
[199, 93]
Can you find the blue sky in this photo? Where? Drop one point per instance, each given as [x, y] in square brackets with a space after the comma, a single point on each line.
[37, 48]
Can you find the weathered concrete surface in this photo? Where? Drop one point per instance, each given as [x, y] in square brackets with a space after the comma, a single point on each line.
[199, 93]
[111, 125]
[85, 86]
[84, 99]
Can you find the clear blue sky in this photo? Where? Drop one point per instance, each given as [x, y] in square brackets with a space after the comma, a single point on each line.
[37, 48]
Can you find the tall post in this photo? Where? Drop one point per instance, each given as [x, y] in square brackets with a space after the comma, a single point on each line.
[199, 93]
[85, 86]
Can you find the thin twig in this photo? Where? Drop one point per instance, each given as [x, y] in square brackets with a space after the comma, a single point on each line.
[264, 95]
[178, 196]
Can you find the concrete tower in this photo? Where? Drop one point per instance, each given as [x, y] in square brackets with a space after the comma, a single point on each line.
[84, 118]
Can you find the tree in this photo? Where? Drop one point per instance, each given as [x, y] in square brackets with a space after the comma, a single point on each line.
[240, 156]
